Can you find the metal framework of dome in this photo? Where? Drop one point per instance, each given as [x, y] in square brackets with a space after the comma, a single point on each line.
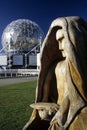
[21, 35]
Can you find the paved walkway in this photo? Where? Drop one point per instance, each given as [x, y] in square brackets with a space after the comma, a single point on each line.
[8, 81]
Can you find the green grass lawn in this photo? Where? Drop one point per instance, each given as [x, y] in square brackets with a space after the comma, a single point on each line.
[14, 105]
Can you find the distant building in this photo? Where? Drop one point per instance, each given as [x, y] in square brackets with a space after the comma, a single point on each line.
[21, 41]
[3, 61]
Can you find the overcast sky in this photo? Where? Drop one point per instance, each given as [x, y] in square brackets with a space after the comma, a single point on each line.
[43, 12]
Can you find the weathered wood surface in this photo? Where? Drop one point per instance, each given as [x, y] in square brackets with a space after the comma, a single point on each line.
[63, 76]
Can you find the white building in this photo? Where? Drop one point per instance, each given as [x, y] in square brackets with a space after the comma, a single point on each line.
[21, 41]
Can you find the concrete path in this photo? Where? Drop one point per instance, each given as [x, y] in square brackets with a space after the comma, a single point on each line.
[8, 81]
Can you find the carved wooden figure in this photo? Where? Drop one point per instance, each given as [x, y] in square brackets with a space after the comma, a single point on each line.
[61, 94]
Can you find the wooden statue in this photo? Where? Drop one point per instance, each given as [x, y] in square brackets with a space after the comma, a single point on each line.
[61, 94]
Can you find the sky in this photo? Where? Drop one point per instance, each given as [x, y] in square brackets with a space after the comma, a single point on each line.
[43, 12]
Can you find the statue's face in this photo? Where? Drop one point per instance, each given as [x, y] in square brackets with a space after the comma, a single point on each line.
[61, 41]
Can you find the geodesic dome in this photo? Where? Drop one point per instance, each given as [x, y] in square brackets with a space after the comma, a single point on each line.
[21, 35]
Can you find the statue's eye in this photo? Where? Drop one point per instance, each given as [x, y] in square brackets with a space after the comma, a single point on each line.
[60, 39]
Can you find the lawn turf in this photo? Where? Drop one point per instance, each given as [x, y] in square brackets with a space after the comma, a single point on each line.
[14, 105]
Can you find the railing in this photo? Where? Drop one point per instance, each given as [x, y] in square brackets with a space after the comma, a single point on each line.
[10, 73]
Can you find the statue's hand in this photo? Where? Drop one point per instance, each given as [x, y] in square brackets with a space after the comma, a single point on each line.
[46, 110]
